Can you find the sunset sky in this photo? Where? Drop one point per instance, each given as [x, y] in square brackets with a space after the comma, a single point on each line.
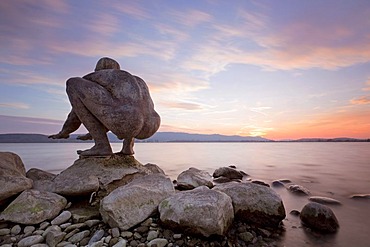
[277, 69]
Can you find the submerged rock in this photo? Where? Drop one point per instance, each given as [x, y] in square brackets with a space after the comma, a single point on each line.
[12, 176]
[360, 196]
[255, 203]
[298, 190]
[324, 200]
[228, 172]
[193, 178]
[200, 211]
[319, 217]
[131, 204]
[33, 207]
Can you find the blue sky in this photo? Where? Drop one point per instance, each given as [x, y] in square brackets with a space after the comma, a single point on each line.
[278, 69]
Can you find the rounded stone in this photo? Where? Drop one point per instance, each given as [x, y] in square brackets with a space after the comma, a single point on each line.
[319, 217]
[61, 218]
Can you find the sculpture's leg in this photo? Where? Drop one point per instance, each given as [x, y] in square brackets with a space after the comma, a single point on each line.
[128, 146]
[71, 124]
[76, 91]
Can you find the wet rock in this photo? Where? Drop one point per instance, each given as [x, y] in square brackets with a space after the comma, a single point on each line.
[227, 172]
[32, 207]
[298, 190]
[319, 217]
[260, 183]
[199, 211]
[88, 175]
[360, 196]
[42, 180]
[13, 176]
[277, 184]
[131, 204]
[295, 212]
[221, 180]
[61, 218]
[254, 203]
[193, 178]
[324, 200]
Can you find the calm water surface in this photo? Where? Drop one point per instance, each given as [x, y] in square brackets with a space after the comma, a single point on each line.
[335, 170]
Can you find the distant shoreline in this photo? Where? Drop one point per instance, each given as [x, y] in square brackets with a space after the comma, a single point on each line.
[170, 137]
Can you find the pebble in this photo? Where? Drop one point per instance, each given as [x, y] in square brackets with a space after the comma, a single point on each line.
[159, 242]
[115, 232]
[91, 223]
[31, 240]
[79, 236]
[74, 226]
[65, 225]
[246, 236]
[16, 230]
[44, 225]
[98, 235]
[126, 234]
[177, 236]
[61, 218]
[121, 243]
[152, 235]
[97, 244]
[324, 200]
[4, 231]
[29, 229]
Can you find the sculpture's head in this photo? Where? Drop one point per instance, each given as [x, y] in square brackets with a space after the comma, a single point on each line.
[106, 63]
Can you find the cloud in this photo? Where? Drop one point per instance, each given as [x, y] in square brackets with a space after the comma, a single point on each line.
[191, 17]
[190, 106]
[363, 100]
[132, 9]
[260, 109]
[367, 87]
[15, 105]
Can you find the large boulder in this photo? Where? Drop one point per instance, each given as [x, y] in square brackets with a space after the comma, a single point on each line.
[319, 217]
[133, 203]
[92, 174]
[200, 211]
[227, 172]
[193, 178]
[42, 180]
[254, 203]
[12, 176]
[32, 207]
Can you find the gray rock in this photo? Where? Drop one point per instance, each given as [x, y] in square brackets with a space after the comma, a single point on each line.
[159, 242]
[193, 178]
[154, 168]
[88, 175]
[31, 240]
[277, 184]
[298, 190]
[126, 234]
[115, 232]
[152, 235]
[44, 225]
[61, 218]
[227, 172]
[4, 231]
[13, 176]
[360, 196]
[324, 200]
[97, 244]
[54, 237]
[53, 228]
[246, 236]
[91, 223]
[131, 204]
[32, 207]
[16, 230]
[79, 236]
[29, 229]
[121, 243]
[74, 226]
[319, 217]
[42, 180]
[255, 203]
[98, 235]
[199, 211]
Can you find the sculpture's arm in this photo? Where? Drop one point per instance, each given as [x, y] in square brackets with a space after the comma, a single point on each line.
[71, 124]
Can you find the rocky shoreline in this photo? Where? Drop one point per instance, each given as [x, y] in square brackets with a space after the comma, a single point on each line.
[117, 201]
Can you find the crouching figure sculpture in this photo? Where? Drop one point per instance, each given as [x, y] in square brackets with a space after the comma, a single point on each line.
[109, 99]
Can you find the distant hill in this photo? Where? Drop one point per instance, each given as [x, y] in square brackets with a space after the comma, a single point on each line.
[167, 137]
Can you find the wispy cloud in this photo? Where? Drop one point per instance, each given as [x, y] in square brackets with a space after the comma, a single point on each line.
[190, 106]
[367, 86]
[363, 100]
[132, 9]
[191, 17]
[15, 105]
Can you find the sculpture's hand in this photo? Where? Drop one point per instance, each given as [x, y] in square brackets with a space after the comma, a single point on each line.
[85, 137]
[59, 136]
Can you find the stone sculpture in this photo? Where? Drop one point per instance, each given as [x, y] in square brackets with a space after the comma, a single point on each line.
[109, 99]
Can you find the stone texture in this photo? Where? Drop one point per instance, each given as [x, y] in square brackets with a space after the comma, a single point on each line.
[154, 168]
[193, 178]
[42, 180]
[228, 172]
[33, 207]
[88, 175]
[31, 240]
[158, 242]
[12, 176]
[61, 218]
[54, 237]
[200, 211]
[319, 217]
[255, 203]
[131, 204]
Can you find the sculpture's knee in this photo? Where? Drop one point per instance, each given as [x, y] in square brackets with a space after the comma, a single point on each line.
[71, 84]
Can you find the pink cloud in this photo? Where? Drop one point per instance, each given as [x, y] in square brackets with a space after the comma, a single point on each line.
[191, 17]
[363, 100]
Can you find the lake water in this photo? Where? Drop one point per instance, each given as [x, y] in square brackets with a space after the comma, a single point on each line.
[335, 170]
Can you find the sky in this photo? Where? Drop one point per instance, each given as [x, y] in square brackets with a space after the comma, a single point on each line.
[278, 69]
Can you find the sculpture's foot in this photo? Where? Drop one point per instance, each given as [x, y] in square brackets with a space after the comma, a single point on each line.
[125, 153]
[95, 151]
[85, 137]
